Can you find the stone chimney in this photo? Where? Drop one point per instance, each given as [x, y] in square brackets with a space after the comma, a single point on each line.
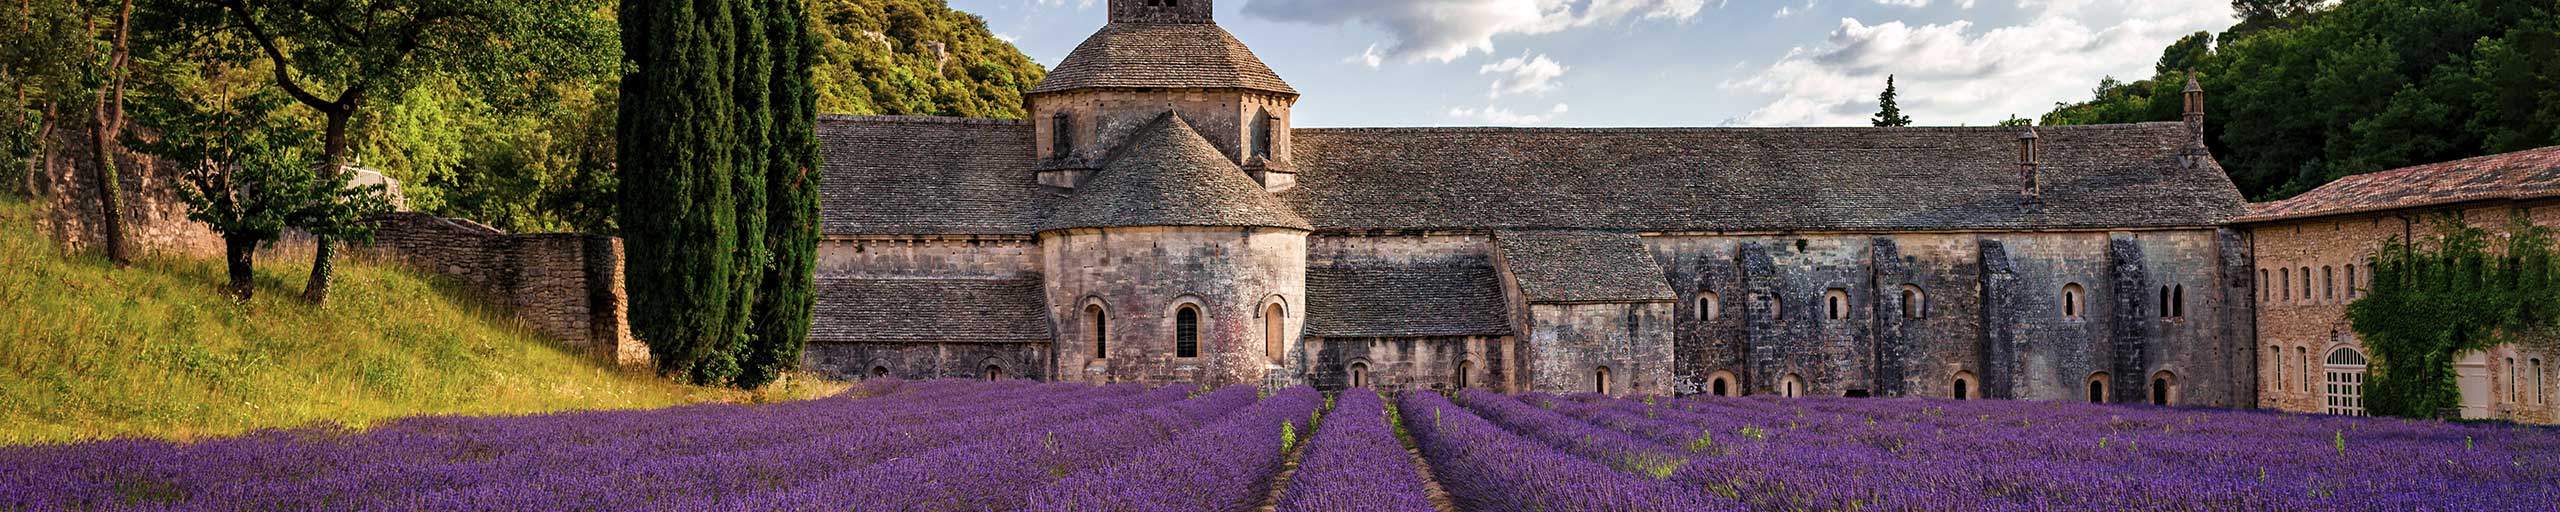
[1162, 11]
[2194, 153]
[2030, 186]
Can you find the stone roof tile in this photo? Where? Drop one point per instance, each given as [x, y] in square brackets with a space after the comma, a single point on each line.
[1162, 55]
[1582, 266]
[857, 310]
[1400, 302]
[927, 175]
[1168, 175]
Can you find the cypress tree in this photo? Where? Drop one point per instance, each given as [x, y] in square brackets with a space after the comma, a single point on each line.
[791, 194]
[675, 141]
[1888, 113]
[751, 120]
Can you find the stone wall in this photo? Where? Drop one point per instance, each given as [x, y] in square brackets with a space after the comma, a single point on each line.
[1398, 363]
[1141, 277]
[2304, 269]
[970, 360]
[566, 286]
[155, 219]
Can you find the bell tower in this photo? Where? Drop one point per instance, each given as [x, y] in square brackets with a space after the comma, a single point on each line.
[1161, 11]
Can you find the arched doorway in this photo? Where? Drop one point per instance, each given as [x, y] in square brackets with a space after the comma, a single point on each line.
[995, 372]
[2345, 372]
[1962, 388]
[1723, 383]
[2164, 388]
[1600, 378]
[1463, 368]
[1791, 386]
[2098, 388]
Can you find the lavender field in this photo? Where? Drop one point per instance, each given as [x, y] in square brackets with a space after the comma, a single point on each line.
[1000, 446]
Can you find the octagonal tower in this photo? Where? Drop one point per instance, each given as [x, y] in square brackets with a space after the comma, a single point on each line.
[1155, 56]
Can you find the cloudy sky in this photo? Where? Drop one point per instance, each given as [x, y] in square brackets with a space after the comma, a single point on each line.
[1667, 62]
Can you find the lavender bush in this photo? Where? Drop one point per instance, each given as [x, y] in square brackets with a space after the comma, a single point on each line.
[1226, 467]
[1356, 463]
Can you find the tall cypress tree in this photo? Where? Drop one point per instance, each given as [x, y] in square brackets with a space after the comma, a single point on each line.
[751, 121]
[791, 194]
[678, 215]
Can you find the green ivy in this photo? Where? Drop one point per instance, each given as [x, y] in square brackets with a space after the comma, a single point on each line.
[2458, 291]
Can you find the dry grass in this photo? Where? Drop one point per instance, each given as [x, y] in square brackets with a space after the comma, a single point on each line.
[157, 350]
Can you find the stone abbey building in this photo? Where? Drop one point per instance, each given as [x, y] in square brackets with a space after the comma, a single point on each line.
[1158, 219]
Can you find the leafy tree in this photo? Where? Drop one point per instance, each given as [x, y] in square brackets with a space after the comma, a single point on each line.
[335, 57]
[250, 177]
[2454, 293]
[2014, 121]
[1888, 113]
[70, 55]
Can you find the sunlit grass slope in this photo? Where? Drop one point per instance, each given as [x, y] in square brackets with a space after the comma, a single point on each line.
[87, 351]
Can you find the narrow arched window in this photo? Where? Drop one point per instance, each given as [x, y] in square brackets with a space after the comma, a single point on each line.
[1708, 307]
[1835, 304]
[1359, 375]
[2328, 283]
[2306, 285]
[2098, 388]
[2515, 386]
[1463, 368]
[1262, 130]
[2178, 301]
[2304, 354]
[1600, 380]
[1101, 331]
[2284, 284]
[2351, 281]
[1915, 304]
[1186, 332]
[2164, 388]
[2071, 305]
[1791, 386]
[1062, 139]
[2275, 357]
[1275, 332]
[995, 372]
[2164, 302]
[2265, 293]
[2539, 392]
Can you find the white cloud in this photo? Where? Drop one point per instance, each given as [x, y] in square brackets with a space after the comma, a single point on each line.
[1527, 74]
[1369, 57]
[1953, 73]
[1790, 11]
[1008, 38]
[1080, 4]
[1904, 3]
[1445, 30]
[1490, 114]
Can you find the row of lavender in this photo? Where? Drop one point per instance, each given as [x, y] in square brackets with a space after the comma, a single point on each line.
[936, 445]
[1503, 452]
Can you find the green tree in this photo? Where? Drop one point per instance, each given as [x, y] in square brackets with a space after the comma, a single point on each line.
[1887, 112]
[2014, 121]
[782, 309]
[678, 219]
[2431, 301]
[70, 56]
[249, 176]
[336, 57]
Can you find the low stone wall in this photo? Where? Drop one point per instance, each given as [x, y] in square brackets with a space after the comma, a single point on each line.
[565, 285]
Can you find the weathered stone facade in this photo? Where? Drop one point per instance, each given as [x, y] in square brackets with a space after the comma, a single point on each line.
[2311, 260]
[566, 286]
[1158, 175]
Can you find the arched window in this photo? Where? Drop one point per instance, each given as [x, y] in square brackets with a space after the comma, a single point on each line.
[2515, 386]
[2164, 388]
[1708, 307]
[2265, 293]
[1791, 386]
[2164, 302]
[1836, 304]
[1062, 139]
[1262, 126]
[2098, 388]
[995, 372]
[2275, 357]
[879, 371]
[2538, 393]
[1275, 332]
[1600, 380]
[2071, 304]
[1186, 332]
[2306, 285]
[2178, 301]
[2345, 371]
[1463, 368]
[1359, 375]
[2304, 354]
[1963, 386]
[1101, 331]
[2284, 284]
[1719, 386]
[1915, 304]
[2351, 281]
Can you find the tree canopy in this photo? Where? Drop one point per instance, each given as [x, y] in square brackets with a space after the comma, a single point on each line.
[1888, 112]
[2299, 95]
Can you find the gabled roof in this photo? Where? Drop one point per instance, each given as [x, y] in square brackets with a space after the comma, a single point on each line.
[1750, 179]
[1163, 55]
[1582, 266]
[927, 175]
[1168, 175]
[1405, 301]
[852, 310]
[2528, 174]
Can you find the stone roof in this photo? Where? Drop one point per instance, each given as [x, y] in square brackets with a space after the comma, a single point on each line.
[1582, 266]
[927, 175]
[1163, 55]
[1750, 179]
[2528, 174]
[1396, 302]
[1168, 175]
[857, 310]
[904, 175]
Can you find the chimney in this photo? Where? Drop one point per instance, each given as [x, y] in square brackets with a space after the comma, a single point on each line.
[2030, 190]
[2195, 152]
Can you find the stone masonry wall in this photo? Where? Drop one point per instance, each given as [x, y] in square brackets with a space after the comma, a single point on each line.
[155, 218]
[1429, 362]
[1141, 277]
[566, 286]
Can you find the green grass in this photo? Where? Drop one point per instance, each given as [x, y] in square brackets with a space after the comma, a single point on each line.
[90, 351]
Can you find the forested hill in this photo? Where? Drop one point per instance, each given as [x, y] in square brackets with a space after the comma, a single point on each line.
[915, 57]
[2303, 92]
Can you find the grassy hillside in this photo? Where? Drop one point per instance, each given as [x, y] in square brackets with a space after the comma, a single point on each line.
[157, 350]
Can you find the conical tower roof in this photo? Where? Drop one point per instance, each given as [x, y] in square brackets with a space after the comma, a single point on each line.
[1168, 175]
[1163, 55]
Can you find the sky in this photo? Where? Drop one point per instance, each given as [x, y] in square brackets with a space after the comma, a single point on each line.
[1667, 62]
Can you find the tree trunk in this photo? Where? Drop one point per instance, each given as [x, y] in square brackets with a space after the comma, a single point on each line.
[316, 291]
[238, 254]
[102, 135]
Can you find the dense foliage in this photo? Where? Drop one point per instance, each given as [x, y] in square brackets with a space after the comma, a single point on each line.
[1888, 111]
[249, 177]
[2434, 300]
[2301, 94]
[1017, 445]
